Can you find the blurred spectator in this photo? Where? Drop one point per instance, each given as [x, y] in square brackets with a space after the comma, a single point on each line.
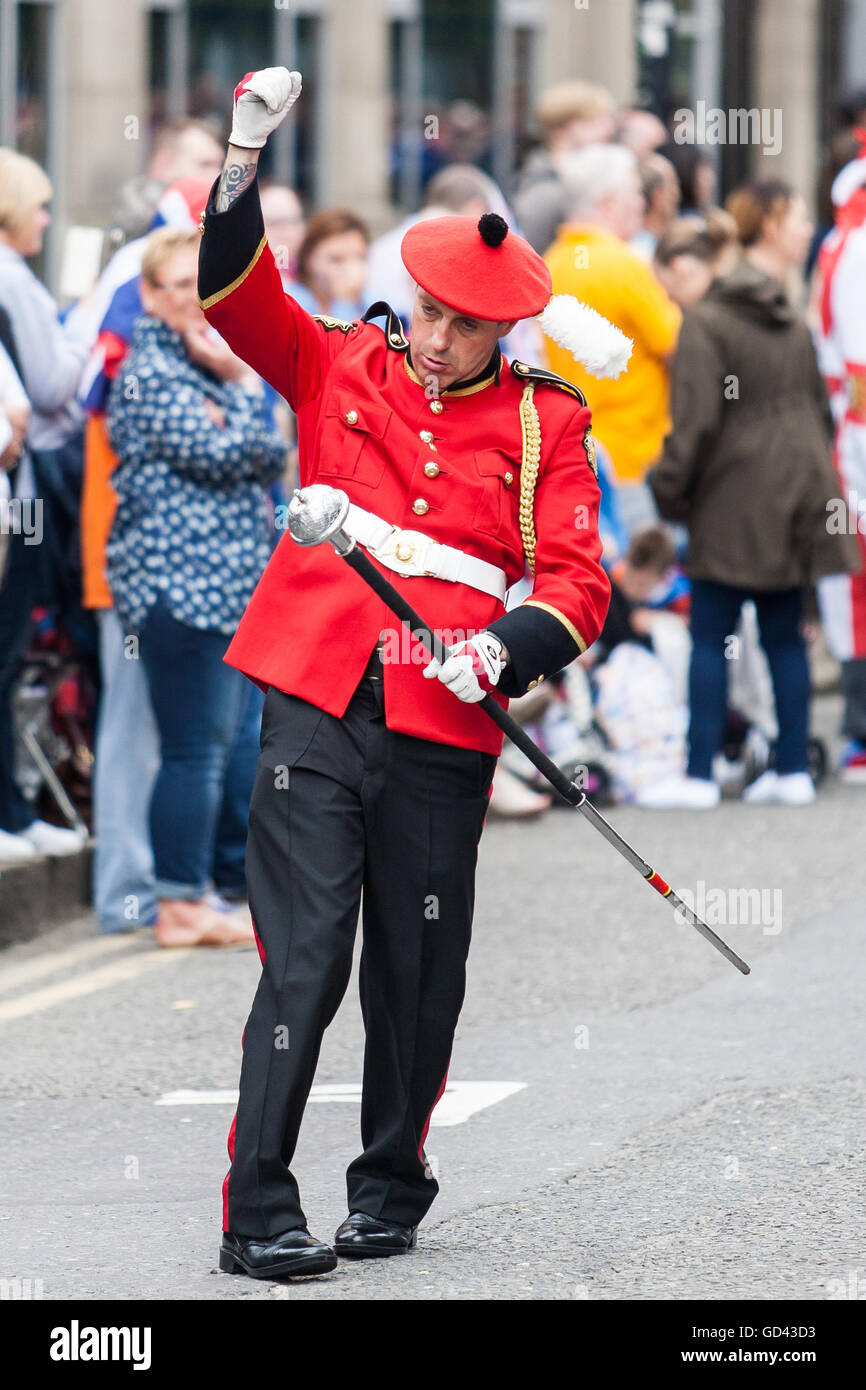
[187, 547]
[697, 177]
[844, 147]
[332, 265]
[284, 226]
[51, 355]
[119, 290]
[747, 467]
[841, 303]
[661, 194]
[650, 605]
[638, 666]
[185, 149]
[14, 418]
[641, 132]
[14, 409]
[571, 115]
[633, 580]
[48, 358]
[134, 207]
[467, 133]
[693, 252]
[124, 891]
[591, 259]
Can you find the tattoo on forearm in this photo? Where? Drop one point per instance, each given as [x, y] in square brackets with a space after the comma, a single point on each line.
[234, 179]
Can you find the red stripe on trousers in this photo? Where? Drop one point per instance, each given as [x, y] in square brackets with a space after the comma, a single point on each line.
[430, 1116]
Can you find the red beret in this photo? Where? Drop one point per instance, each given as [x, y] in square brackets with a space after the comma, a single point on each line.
[478, 268]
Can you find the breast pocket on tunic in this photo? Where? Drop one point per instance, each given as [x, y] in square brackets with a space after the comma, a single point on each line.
[496, 512]
[352, 443]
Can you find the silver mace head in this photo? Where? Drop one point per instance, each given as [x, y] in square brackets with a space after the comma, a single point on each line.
[316, 513]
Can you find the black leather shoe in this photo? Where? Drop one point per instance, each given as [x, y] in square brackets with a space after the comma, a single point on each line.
[362, 1237]
[263, 1257]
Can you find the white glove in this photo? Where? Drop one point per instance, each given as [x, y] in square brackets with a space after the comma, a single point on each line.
[472, 669]
[262, 100]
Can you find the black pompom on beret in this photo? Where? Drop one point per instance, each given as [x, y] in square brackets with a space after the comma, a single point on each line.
[493, 228]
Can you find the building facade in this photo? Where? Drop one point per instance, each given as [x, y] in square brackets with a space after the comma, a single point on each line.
[394, 88]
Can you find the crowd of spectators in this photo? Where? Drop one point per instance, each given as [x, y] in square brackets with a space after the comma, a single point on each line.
[158, 461]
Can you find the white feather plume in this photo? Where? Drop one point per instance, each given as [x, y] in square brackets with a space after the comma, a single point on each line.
[593, 341]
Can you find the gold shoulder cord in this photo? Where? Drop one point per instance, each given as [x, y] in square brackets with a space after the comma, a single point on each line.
[531, 430]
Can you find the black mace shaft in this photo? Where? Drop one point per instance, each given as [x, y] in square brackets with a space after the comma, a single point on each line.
[363, 566]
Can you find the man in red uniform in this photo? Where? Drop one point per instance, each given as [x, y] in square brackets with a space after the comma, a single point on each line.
[375, 772]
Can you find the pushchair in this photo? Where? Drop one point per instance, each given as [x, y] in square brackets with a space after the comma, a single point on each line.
[54, 709]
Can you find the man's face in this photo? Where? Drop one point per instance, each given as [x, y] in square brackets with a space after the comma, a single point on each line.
[448, 346]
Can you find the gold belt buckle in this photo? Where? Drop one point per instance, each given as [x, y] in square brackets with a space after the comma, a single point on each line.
[405, 551]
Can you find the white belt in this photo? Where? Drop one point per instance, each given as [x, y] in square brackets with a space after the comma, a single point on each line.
[411, 552]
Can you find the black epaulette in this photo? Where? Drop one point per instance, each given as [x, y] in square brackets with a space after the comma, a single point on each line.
[526, 373]
[394, 335]
[329, 323]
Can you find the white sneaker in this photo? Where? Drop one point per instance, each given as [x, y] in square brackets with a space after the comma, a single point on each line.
[15, 847]
[680, 793]
[791, 789]
[52, 839]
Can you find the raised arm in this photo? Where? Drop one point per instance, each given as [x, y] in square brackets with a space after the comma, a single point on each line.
[239, 286]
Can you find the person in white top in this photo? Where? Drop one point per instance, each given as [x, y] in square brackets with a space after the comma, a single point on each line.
[841, 342]
[36, 412]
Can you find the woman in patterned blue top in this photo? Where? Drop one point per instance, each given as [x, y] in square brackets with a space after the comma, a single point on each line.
[189, 542]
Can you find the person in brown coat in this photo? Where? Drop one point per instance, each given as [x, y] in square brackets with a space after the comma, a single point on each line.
[747, 467]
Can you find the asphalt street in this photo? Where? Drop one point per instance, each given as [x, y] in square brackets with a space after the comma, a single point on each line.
[672, 1129]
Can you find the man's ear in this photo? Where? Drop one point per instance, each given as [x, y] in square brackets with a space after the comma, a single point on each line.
[505, 328]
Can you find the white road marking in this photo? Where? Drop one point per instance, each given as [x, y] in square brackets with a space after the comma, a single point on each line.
[36, 967]
[106, 975]
[198, 1098]
[461, 1098]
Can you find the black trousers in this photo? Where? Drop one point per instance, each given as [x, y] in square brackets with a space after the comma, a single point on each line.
[342, 807]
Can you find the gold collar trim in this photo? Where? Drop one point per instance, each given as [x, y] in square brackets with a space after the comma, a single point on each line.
[451, 391]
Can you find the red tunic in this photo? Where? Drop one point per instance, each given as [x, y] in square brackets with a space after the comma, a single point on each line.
[366, 425]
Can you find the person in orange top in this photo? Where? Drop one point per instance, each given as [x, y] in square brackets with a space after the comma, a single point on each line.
[591, 260]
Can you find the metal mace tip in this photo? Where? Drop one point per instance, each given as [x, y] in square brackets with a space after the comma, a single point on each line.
[316, 513]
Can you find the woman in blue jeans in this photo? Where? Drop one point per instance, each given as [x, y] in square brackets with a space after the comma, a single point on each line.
[189, 542]
[747, 466]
